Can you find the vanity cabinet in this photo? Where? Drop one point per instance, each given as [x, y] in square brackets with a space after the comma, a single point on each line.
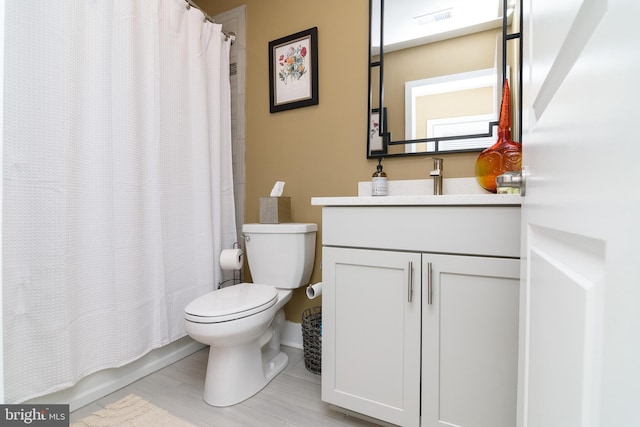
[420, 312]
[371, 333]
[469, 341]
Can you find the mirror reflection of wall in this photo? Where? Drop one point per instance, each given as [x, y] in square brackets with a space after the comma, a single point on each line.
[462, 103]
[459, 55]
[452, 105]
[441, 114]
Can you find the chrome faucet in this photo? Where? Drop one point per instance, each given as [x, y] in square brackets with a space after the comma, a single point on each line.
[436, 175]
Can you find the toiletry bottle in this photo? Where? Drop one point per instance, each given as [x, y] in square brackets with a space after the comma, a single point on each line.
[379, 181]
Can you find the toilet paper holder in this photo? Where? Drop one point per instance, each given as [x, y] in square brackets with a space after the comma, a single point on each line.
[237, 274]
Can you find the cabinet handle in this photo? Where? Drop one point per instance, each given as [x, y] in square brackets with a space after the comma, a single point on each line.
[410, 297]
[429, 284]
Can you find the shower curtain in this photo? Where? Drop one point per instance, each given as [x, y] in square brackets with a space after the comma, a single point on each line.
[118, 187]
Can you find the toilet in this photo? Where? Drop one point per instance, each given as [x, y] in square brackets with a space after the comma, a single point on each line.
[242, 324]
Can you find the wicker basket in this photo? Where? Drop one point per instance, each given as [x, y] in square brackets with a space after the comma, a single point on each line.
[312, 339]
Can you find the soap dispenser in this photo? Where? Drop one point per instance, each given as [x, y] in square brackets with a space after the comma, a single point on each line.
[379, 181]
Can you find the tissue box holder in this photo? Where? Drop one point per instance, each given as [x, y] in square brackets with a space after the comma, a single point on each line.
[274, 210]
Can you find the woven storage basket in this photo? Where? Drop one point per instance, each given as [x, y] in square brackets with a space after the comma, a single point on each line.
[312, 339]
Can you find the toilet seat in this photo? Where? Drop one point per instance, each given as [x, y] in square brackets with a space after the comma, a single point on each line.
[230, 303]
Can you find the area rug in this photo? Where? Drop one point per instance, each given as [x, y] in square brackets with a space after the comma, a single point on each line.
[131, 411]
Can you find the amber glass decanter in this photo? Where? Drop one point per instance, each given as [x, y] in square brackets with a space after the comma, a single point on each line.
[505, 155]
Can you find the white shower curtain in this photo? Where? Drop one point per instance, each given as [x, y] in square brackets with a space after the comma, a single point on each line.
[118, 188]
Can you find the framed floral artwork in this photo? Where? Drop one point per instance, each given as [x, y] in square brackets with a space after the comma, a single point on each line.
[293, 71]
[378, 139]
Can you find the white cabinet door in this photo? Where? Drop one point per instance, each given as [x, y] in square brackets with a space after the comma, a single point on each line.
[469, 341]
[580, 223]
[371, 333]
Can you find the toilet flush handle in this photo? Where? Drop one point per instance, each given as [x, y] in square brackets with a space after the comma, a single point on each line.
[245, 237]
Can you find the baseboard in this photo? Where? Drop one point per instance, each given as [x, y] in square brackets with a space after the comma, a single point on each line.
[102, 383]
[292, 335]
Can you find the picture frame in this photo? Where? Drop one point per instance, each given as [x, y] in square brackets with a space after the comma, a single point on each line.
[293, 71]
[378, 139]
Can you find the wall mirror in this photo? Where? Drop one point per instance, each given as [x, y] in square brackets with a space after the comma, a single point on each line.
[436, 73]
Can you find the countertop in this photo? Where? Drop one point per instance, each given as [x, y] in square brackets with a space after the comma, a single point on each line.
[422, 200]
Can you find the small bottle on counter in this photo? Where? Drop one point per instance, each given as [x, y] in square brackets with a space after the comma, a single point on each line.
[379, 181]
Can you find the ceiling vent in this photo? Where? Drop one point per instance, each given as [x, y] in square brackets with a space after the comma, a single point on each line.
[434, 17]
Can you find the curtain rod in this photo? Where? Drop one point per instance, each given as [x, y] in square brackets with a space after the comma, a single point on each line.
[228, 36]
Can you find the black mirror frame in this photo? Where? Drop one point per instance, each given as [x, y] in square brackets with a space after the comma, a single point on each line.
[386, 136]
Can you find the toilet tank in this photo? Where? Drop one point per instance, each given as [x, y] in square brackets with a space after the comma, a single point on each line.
[280, 255]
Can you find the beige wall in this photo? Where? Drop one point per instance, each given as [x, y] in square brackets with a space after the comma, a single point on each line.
[318, 150]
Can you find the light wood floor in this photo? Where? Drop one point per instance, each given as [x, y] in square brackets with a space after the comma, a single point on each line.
[291, 399]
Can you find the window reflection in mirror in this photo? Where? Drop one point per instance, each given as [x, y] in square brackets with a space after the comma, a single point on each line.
[452, 105]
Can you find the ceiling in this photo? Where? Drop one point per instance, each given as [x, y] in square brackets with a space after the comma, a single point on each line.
[406, 20]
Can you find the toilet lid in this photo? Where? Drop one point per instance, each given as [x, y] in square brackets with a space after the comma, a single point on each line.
[231, 303]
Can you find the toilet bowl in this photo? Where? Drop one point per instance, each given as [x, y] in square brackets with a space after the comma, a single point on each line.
[242, 324]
